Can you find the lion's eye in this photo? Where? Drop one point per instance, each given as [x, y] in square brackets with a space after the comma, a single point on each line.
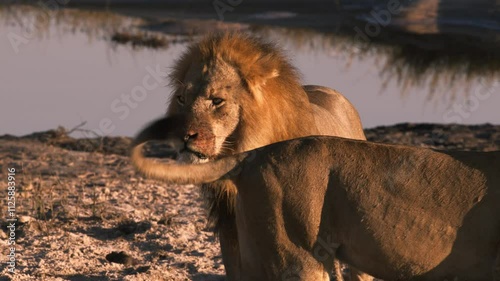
[181, 100]
[217, 101]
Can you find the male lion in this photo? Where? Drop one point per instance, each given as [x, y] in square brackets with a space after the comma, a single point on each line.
[239, 93]
[393, 211]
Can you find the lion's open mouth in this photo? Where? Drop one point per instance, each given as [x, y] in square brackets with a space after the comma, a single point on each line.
[196, 153]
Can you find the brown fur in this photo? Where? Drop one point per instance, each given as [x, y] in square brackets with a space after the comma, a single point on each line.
[264, 102]
[395, 212]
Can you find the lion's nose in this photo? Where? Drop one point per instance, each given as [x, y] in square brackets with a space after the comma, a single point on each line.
[191, 135]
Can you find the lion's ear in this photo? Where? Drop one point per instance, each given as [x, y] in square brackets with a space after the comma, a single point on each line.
[258, 75]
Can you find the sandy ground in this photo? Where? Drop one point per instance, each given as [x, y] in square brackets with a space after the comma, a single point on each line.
[78, 208]
[87, 215]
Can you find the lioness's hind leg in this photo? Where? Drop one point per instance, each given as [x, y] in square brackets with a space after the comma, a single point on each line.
[357, 275]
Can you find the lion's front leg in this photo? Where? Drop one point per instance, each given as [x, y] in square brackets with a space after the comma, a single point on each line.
[221, 197]
[230, 249]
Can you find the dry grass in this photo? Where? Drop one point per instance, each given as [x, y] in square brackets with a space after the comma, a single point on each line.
[141, 39]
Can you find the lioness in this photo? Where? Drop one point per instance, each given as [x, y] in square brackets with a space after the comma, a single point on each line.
[239, 93]
[395, 212]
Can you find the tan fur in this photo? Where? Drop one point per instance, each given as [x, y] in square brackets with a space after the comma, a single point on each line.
[395, 212]
[264, 103]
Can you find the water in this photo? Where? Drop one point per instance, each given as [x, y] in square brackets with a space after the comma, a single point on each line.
[64, 79]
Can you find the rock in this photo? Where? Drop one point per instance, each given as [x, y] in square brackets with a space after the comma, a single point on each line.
[121, 258]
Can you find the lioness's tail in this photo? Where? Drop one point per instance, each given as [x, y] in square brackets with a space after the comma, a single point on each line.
[183, 173]
[174, 172]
